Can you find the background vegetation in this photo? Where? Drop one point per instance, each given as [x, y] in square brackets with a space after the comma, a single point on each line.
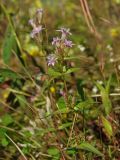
[71, 110]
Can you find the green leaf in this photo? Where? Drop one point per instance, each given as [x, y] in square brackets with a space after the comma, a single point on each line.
[108, 85]
[71, 70]
[107, 126]
[53, 73]
[25, 150]
[85, 104]
[2, 79]
[80, 89]
[62, 110]
[71, 151]
[2, 132]
[61, 103]
[22, 100]
[105, 98]
[4, 142]
[6, 119]
[17, 42]
[54, 152]
[65, 125]
[7, 73]
[88, 147]
[8, 45]
[71, 57]
[106, 102]
[27, 134]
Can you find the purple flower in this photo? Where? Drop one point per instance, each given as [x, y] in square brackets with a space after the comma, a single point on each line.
[62, 92]
[32, 23]
[56, 41]
[65, 32]
[36, 30]
[51, 60]
[68, 43]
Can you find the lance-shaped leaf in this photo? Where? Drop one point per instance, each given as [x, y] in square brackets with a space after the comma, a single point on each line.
[9, 45]
[107, 126]
[52, 72]
[88, 147]
[84, 104]
[71, 70]
[105, 98]
[7, 73]
[12, 42]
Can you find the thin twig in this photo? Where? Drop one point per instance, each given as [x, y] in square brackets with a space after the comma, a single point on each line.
[16, 147]
[89, 19]
[71, 129]
[111, 94]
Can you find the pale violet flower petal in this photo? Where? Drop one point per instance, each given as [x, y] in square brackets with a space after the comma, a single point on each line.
[51, 60]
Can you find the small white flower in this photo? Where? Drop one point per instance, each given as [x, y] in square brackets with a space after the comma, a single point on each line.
[99, 81]
[119, 67]
[94, 90]
[109, 47]
[81, 47]
[111, 60]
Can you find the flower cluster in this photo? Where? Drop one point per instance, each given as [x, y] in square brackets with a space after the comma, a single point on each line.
[59, 42]
[36, 24]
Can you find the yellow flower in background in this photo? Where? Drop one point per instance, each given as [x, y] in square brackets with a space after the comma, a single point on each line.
[117, 1]
[24, 56]
[38, 3]
[5, 94]
[114, 32]
[32, 50]
[52, 89]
